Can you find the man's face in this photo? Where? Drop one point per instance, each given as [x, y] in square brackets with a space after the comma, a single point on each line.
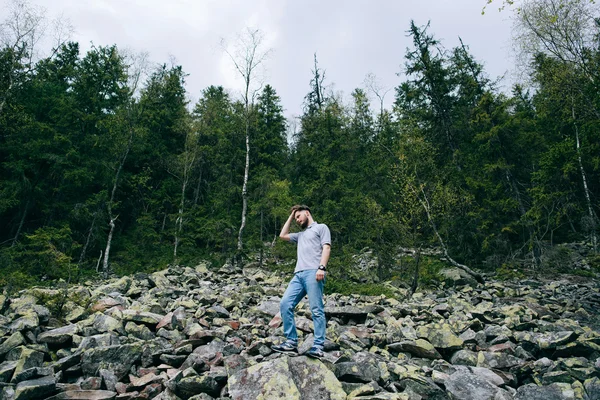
[301, 218]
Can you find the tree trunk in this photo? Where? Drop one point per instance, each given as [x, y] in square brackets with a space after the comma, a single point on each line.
[240, 243]
[87, 241]
[186, 172]
[425, 203]
[16, 238]
[112, 218]
[586, 190]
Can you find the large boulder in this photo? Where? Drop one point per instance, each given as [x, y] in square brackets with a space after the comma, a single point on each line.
[290, 378]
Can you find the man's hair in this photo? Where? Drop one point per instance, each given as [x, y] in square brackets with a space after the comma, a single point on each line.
[301, 207]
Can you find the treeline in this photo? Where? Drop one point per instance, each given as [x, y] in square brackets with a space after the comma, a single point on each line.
[103, 169]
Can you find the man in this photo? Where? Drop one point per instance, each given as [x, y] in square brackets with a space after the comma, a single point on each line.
[314, 247]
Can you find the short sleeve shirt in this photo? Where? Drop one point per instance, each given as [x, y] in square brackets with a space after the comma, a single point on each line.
[310, 245]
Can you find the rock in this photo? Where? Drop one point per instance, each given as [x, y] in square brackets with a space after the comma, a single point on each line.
[464, 357]
[419, 348]
[84, 395]
[497, 360]
[35, 389]
[534, 392]
[289, 378]
[314, 380]
[441, 337]
[14, 340]
[29, 359]
[6, 370]
[592, 388]
[466, 386]
[59, 335]
[120, 286]
[119, 359]
[355, 313]
[457, 277]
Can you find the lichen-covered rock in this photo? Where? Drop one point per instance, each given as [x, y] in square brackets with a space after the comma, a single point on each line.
[35, 389]
[467, 386]
[419, 348]
[535, 392]
[59, 335]
[440, 336]
[267, 380]
[119, 359]
[14, 340]
[314, 380]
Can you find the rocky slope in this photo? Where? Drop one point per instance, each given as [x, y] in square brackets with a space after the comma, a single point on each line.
[189, 333]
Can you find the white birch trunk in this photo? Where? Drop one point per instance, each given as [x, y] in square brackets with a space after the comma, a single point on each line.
[112, 218]
[592, 215]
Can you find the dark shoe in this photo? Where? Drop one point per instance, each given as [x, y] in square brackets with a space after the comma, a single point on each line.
[315, 352]
[286, 347]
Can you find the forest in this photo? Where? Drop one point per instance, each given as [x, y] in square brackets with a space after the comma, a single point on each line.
[108, 168]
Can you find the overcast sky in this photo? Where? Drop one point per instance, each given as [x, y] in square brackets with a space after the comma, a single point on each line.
[351, 37]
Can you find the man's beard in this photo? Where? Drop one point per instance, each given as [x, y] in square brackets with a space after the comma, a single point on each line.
[304, 224]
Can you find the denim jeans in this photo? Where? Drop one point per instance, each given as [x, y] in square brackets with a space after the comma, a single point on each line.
[303, 283]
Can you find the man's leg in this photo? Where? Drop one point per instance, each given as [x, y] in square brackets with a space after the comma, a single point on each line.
[314, 290]
[292, 296]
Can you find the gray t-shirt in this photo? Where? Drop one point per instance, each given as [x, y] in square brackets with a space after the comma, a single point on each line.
[310, 245]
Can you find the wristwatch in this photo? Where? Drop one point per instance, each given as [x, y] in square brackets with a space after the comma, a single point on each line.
[322, 267]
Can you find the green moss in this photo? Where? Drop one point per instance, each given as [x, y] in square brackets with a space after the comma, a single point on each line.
[346, 288]
[508, 271]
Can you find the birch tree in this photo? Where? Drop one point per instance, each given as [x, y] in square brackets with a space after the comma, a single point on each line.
[561, 36]
[248, 55]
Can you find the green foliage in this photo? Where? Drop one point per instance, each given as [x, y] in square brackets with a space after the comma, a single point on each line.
[509, 271]
[344, 287]
[46, 254]
[455, 163]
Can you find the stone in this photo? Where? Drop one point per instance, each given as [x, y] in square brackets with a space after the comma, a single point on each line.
[85, 395]
[418, 348]
[119, 359]
[464, 357]
[497, 360]
[35, 389]
[534, 392]
[457, 277]
[14, 340]
[195, 384]
[441, 337]
[6, 370]
[29, 359]
[466, 386]
[59, 335]
[285, 377]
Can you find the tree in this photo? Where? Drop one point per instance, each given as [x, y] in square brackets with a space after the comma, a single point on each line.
[561, 37]
[247, 58]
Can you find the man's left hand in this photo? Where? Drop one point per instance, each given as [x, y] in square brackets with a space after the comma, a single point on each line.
[320, 275]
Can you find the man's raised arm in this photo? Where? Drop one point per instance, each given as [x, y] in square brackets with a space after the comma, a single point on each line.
[285, 231]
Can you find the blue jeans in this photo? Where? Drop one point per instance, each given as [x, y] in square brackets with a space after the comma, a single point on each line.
[303, 283]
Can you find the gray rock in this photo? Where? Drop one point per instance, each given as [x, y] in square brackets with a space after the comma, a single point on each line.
[35, 389]
[534, 392]
[457, 277]
[464, 357]
[467, 386]
[418, 348]
[59, 335]
[277, 379]
[14, 340]
[85, 395]
[6, 370]
[119, 359]
[195, 384]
